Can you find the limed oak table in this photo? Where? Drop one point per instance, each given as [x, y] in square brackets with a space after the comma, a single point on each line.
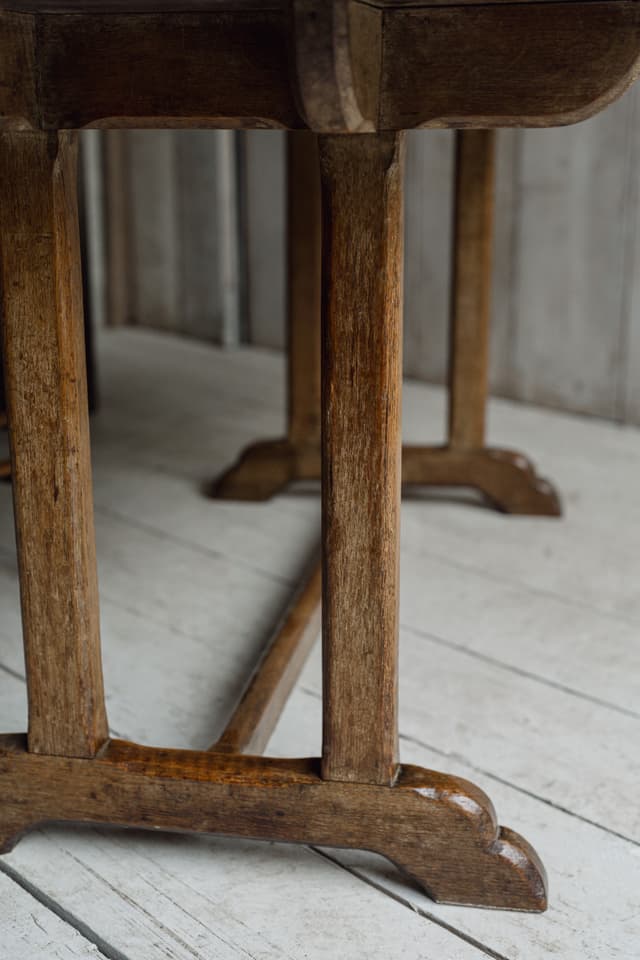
[357, 74]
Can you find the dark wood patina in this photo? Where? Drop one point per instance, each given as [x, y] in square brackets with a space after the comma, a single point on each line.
[369, 70]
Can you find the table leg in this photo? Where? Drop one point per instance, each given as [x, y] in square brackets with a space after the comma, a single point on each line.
[506, 477]
[268, 467]
[45, 383]
[471, 287]
[361, 452]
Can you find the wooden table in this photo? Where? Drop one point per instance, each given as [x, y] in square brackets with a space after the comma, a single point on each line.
[358, 74]
[507, 479]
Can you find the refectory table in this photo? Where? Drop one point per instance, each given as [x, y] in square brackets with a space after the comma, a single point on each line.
[358, 73]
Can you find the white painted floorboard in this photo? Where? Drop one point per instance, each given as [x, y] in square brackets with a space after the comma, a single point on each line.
[520, 669]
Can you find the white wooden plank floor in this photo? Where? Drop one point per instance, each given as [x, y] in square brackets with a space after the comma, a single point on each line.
[520, 670]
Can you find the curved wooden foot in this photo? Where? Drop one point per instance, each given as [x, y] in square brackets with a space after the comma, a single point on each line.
[440, 830]
[507, 478]
[264, 469]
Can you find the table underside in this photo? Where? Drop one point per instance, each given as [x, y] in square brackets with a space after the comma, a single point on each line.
[245, 64]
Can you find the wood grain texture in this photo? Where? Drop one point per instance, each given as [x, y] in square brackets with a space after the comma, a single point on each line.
[471, 287]
[506, 478]
[502, 64]
[255, 718]
[128, 71]
[440, 830]
[45, 379]
[338, 57]
[364, 68]
[361, 387]
[573, 851]
[136, 6]
[18, 86]
[534, 612]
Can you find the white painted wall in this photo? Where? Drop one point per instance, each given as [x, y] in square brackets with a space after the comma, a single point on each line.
[172, 216]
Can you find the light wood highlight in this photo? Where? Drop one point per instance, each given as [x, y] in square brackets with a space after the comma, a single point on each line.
[255, 718]
[361, 393]
[46, 390]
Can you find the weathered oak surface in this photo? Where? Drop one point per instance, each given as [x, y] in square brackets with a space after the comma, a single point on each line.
[361, 452]
[45, 382]
[417, 822]
[386, 68]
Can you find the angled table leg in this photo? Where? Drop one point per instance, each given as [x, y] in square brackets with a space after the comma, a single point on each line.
[507, 478]
[45, 383]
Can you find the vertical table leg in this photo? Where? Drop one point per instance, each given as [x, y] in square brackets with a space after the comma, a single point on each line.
[266, 468]
[471, 289]
[361, 452]
[506, 477]
[45, 382]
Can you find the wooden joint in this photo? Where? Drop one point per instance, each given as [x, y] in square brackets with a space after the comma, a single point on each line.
[337, 56]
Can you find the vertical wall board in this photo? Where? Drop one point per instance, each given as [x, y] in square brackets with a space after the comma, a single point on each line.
[629, 393]
[266, 196]
[172, 226]
[91, 160]
[117, 206]
[571, 256]
[505, 251]
[199, 243]
[428, 232]
[155, 266]
[229, 260]
[206, 234]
